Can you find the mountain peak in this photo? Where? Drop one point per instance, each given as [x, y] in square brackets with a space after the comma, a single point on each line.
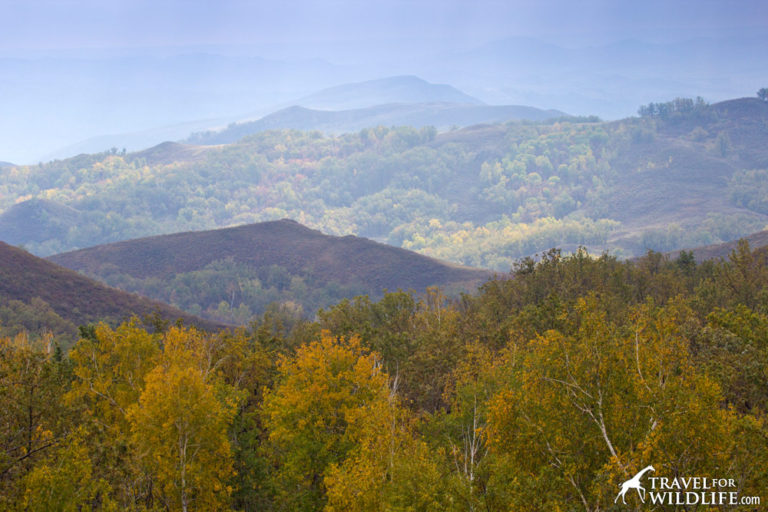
[393, 89]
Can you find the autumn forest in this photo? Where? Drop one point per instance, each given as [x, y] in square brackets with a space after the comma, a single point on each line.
[543, 391]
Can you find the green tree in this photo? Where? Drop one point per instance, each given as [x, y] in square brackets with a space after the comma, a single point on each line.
[66, 482]
[33, 416]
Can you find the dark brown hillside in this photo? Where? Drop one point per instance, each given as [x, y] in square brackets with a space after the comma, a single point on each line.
[77, 300]
[300, 250]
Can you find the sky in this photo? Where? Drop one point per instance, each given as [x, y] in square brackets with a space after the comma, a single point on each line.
[112, 24]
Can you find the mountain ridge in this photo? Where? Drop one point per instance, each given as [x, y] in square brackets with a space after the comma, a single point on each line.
[234, 274]
[439, 115]
[757, 241]
[153, 257]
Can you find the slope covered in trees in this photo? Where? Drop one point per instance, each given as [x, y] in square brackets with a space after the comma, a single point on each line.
[481, 196]
[545, 391]
[39, 296]
[232, 274]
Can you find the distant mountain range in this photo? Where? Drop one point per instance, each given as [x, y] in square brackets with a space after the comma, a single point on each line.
[83, 97]
[40, 295]
[395, 89]
[440, 115]
[134, 141]
[392, 101]
[482, 196]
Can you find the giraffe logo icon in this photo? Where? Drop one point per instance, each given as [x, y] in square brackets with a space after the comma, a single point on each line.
[634, 483]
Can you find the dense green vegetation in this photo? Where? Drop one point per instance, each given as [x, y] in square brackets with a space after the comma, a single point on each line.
[481, 196]
[750, 189]
[234, 293]
[544, 391]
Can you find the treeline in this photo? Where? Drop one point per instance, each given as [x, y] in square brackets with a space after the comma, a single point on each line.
[545, 391]
[678, 106]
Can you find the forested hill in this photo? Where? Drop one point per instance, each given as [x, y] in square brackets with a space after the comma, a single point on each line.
[40, 296]
[231, 274]
[758, 242]
[683, 174]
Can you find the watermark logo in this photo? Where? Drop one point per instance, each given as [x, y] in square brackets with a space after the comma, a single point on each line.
[685, 491]
[634, 483]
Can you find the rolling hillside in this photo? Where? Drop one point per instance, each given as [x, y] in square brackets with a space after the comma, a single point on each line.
[40, 295]
[37, 220]
[250, 264]
[685, 174]
[684, 171]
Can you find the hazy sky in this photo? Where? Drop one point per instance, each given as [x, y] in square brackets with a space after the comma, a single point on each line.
[45, 24]
[115, 67]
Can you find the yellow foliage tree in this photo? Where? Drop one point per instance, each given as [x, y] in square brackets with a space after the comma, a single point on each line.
[110, 368]
[66, 483]
[317, 394]
[388, 468]
[179, 425]
[597, 401]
